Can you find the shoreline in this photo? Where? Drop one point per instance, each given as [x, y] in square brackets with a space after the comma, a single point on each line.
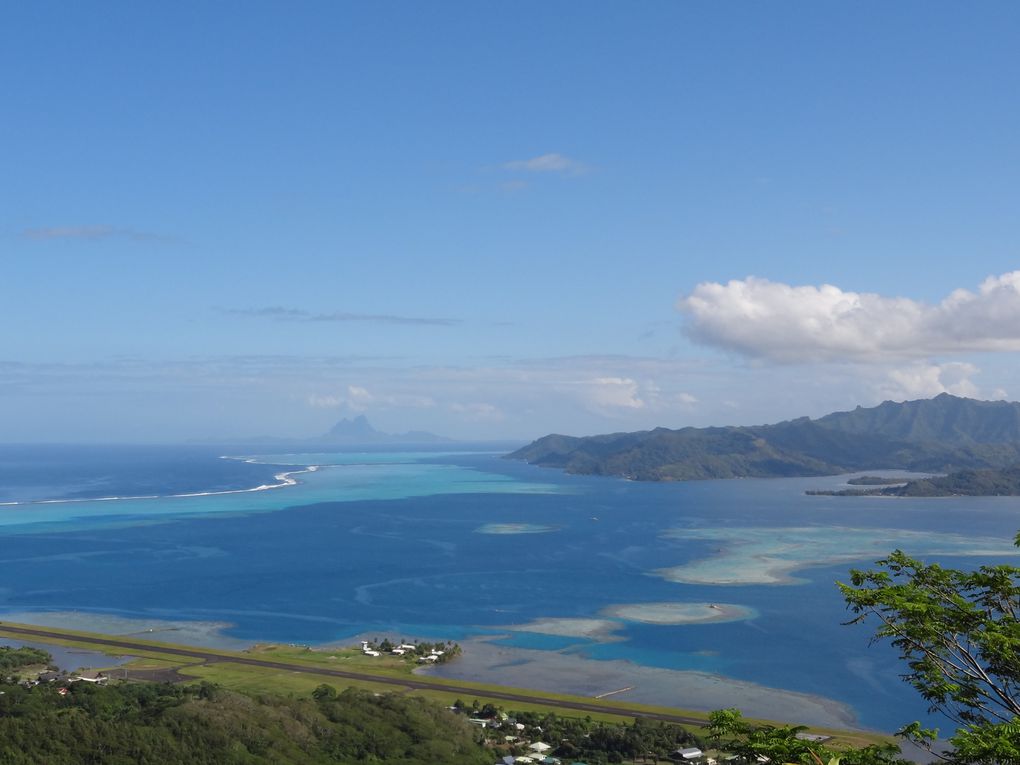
[484, 660]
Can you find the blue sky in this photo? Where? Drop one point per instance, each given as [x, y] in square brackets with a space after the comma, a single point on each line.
[501, 219]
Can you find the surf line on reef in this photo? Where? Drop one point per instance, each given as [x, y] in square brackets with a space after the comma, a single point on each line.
[283, 480]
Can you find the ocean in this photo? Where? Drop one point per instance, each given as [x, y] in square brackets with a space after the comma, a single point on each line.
[733, 581]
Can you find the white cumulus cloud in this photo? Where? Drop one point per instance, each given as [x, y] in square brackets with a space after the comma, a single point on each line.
[614, 393]
[785, 323]
[926, 380]
[359, 399]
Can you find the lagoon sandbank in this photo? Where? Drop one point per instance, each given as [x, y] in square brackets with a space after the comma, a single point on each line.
[514, 528]
[680, 613]
[591, 629]
[764, 555]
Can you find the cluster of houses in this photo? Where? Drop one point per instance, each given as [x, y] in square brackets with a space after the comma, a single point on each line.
[65, 680]
[540, 753]
[537, 754]
[429, 656]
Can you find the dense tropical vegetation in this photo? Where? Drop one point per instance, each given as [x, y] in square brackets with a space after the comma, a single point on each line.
[750, 743]
[931, 435]
[962, 483]
[13, 659]
[580, 739]
[151, 724]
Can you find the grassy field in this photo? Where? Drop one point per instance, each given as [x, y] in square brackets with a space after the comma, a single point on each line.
[302, 677]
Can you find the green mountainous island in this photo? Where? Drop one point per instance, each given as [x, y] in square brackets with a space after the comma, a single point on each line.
[962, 483]
[939, 435]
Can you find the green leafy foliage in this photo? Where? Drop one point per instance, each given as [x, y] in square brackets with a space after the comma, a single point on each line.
[781, 744]
[965, 483]
[16, 658]
[959, 634]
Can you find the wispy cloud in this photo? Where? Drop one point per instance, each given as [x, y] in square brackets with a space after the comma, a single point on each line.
[358, 398]
[547, 163]
[477, 411]
[94, 233]
[281, 313]
[525, 398]
[792, 324]
[269, 312]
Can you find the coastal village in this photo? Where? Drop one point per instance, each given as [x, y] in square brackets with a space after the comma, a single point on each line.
[419, 652]
[30, 667]
[513, 737]
[518, 738]
[522, 739]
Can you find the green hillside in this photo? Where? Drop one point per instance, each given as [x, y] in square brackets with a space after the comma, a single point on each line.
[932, 435]
[963, 483]
[144, 723]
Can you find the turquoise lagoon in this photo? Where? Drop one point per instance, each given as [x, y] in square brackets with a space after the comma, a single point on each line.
[461, 544]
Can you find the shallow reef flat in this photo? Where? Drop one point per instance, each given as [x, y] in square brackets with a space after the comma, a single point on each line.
[315, 483]
[591, 629]
[483, 661]
[514, 528]
[672, 613]
[680, 613]
[206, 634]
[768, 555]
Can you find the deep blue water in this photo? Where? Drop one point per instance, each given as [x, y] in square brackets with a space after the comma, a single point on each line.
[88, 472]
[394, 545]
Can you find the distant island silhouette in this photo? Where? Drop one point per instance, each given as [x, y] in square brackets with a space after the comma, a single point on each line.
[356, 431]
[359, 431]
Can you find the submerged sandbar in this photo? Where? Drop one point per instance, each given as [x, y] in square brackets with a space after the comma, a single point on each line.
[680, 613]
[514, 528]
[769, 555]
[590, 629]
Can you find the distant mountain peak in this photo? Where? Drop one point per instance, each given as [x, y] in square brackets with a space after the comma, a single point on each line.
[356, 426]
[358, 431]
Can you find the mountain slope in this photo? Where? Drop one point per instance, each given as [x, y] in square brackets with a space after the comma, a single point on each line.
[944, 419]
[937, 435]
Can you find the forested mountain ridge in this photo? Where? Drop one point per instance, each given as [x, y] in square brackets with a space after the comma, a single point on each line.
[945, 419]
[934, 435]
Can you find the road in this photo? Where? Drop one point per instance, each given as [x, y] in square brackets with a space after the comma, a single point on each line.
[413, 683]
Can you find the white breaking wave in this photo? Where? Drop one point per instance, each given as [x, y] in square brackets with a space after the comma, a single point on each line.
[283, 480]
